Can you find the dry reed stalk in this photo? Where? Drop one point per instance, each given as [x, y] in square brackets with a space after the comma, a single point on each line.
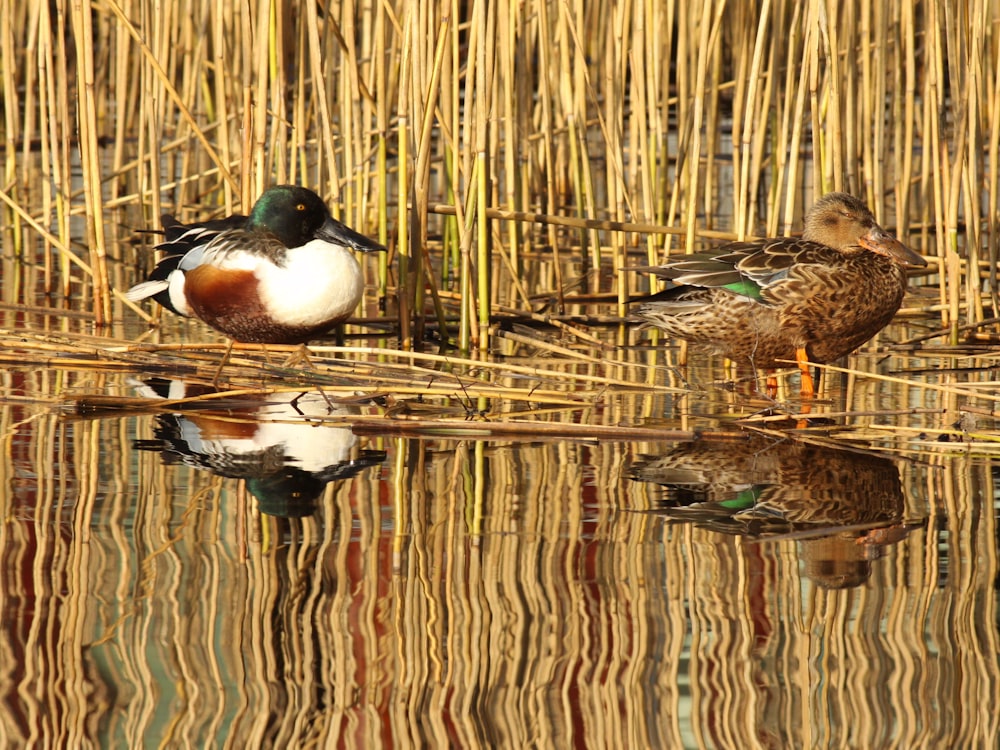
[381, 177]
[708, 36]
[745, 154]
[946, 389]
[10, 235]
[150, 58]
[594, 224]
[422, 167]
[790, 137]
[549, 166]
[218, 100]
[742, 86]
[54, 118]
[877, 77]
[573, 65]
[18, 211]
[645, 133]
[838, 91]
[484, 24]
[511, 118]
[973, 188]
[612, 70]
[519, 108]
[406, 274]
[451, 243]
[89, 159]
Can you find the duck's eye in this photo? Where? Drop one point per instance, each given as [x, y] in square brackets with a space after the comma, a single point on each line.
[300, 207]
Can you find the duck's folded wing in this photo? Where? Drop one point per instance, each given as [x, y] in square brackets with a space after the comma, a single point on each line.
[746, 268]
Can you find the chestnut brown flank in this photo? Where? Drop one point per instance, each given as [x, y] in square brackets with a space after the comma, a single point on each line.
[216, 294]
[229, 302]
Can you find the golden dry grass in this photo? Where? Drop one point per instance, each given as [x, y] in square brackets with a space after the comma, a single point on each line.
[421, 121]
[505, 152]
[498, 148]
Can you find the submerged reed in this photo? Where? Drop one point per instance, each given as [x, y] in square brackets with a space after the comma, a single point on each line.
[652, 113]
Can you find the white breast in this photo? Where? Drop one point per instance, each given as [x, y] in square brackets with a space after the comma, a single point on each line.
[319, 282]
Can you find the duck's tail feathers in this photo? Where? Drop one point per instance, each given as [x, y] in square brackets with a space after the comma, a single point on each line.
[147, 289]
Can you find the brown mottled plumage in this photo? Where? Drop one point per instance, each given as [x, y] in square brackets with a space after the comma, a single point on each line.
[845, 507]
[817, 298]
[784, 483]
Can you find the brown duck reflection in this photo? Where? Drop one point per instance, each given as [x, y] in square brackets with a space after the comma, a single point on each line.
[844, 507]
[275, 442]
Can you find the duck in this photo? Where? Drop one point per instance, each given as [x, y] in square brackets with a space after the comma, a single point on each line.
[282, 275]
[808, 299]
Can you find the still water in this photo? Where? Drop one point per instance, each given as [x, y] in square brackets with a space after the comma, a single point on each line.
[295, 570]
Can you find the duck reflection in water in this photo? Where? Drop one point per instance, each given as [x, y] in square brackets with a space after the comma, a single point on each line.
[269, 440]
[843, 507]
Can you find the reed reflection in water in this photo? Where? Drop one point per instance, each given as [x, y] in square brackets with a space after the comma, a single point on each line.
[473, 594]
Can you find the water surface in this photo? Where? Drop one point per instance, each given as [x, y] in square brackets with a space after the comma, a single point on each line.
[257, 575]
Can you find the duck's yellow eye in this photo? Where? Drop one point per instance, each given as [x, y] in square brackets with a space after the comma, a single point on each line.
[301, 207]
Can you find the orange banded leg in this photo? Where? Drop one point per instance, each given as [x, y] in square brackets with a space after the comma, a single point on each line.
[807, 388]
[771, 384]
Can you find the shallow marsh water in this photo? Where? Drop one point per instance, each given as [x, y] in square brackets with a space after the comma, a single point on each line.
[838, 589]
[642, 559]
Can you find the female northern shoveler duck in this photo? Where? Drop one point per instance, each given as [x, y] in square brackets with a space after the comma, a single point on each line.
[812, 299]
[283, 275]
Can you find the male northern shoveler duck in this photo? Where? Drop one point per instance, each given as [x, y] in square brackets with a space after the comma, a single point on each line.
[283, 275]
[812, 299]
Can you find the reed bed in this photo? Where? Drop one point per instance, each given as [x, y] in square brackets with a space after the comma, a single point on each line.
[516, 158]
[535, 390]
[468, 135]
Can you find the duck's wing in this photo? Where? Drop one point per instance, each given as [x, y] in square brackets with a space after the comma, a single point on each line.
[183, 248]
[746, 268]
[178, 234]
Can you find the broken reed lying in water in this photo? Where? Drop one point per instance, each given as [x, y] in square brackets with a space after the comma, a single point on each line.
[657, 113]
[537, 395]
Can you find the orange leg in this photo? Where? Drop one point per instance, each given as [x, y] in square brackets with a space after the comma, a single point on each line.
[807, 388]
[772, 385]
